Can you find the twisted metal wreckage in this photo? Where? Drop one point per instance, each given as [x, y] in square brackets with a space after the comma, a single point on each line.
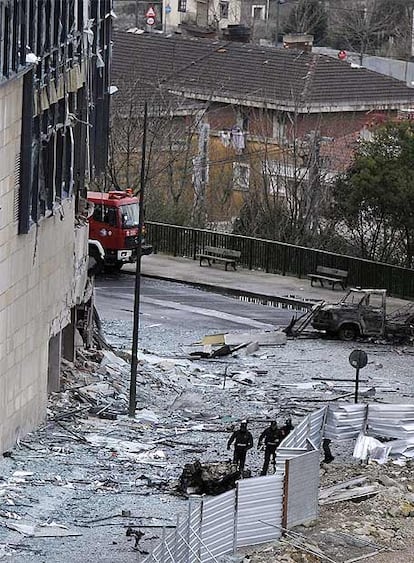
[261, 509]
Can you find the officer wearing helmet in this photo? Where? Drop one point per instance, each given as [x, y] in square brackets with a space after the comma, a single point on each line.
[243, 441]
[271, 436]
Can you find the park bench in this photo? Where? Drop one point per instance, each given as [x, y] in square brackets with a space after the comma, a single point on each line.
[212, 254]
[331, 275]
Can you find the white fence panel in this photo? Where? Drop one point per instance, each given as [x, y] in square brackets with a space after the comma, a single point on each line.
[283, 454]
[345, 422]
[259, 510]
[217, 527]
[181, 549]
[302, 477]
[316, 423]
[391, 421]
[194, 532]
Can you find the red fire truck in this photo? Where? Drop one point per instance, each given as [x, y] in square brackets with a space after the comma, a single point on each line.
[114, 224]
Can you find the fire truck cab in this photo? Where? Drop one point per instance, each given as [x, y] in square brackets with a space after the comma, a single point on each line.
[114, 223]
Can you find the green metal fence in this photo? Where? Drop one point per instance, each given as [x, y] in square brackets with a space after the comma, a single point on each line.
[280, 258]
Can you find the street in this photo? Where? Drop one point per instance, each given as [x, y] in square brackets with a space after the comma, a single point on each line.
[173, 313]
[96, 477]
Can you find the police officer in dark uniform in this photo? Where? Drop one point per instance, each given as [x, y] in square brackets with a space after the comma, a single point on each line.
[287, 427]
[271, 437]
[243, 441]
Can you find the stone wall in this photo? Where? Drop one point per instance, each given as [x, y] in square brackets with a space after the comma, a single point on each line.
[36, 286]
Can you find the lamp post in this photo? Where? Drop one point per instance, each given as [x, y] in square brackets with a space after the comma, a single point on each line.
[278, 2]
[137, 289]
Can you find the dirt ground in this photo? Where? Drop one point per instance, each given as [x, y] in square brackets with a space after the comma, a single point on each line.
[377, 528]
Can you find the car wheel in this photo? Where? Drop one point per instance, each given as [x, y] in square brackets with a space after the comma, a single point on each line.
[348, 332]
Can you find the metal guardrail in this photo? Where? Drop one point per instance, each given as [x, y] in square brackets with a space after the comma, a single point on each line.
[280, 258]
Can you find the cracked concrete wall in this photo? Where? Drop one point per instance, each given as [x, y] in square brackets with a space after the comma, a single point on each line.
[37, 286]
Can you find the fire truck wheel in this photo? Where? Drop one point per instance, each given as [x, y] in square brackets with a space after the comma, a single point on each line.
[114, 268]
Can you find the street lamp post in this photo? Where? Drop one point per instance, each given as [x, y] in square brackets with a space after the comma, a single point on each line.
[137, 289]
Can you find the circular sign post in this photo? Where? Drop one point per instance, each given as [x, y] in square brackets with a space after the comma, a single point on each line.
[358, 360]
[150, 16]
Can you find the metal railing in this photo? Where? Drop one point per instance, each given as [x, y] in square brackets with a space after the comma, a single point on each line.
[281, 258]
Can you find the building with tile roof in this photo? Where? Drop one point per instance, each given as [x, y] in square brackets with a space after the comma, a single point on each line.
[277, 98]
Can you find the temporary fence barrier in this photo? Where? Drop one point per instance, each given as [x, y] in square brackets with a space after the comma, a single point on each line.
[345, 421]
[257, 510]
[302, 483]
[217, 526]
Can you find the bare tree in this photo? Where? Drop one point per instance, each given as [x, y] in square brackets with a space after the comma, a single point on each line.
[171, 146]
[308, 16]
[289, 183]
[362, 26]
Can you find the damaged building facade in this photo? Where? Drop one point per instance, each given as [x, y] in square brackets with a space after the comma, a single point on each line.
[54, 103]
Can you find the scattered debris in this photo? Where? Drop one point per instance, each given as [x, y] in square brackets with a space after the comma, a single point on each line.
[209, 478]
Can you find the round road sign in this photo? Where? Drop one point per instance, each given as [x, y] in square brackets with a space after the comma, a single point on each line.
[358, 359]
[150, 21]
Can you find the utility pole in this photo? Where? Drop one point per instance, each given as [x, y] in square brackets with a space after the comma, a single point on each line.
[200, 175]
[412, 34]
[313, 200]
[137, 289]
[278, 2]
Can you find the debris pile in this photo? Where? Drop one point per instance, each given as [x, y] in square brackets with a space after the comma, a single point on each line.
[94, 472]
[366, 512]
[209, 478]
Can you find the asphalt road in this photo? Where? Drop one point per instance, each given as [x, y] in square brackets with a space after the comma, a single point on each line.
[172, 313]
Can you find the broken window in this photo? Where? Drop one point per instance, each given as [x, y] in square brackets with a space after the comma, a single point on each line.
[54, 125]
[224, 10]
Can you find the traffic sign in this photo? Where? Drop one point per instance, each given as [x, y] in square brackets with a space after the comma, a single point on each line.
[358, 359]
[150, 21]
[150, 13]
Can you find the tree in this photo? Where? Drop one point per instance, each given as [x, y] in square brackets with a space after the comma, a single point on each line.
[364, 26]
[374, 199]
[172, 137]
[308, 16]
[288, 187]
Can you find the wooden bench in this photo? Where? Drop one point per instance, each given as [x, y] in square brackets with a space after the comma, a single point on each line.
[330, 275]
[212, 254]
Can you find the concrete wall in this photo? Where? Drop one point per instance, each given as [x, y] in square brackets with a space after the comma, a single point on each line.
[36, 286]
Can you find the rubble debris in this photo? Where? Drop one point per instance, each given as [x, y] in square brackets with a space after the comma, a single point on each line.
[209, 478]
[262, 337]
[47, 530]
[142, 458]
[351, 490]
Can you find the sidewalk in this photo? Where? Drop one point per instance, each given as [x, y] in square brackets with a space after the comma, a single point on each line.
[287, 289]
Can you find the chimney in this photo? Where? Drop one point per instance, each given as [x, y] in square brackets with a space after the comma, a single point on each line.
[298, 41]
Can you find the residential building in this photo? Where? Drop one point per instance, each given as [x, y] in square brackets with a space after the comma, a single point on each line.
[54, 105]
[267, 110]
